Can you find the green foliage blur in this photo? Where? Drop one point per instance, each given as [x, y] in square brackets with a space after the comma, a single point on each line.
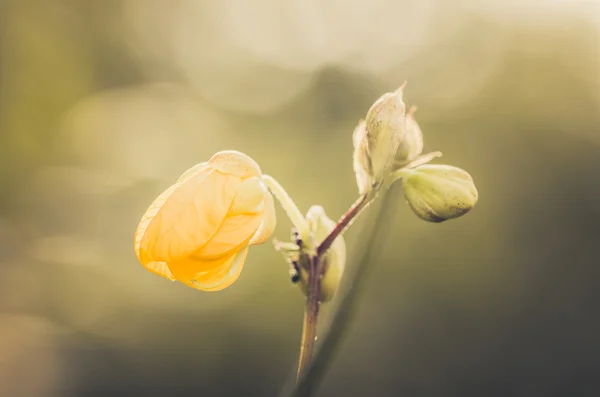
[103, 105]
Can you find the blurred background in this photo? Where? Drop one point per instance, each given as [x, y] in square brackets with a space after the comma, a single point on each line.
[104, 104]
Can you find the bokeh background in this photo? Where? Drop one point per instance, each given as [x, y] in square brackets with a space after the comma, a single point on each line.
[103, 104]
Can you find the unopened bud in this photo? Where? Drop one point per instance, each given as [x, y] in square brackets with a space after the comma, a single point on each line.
[384, 131]
[361, 162]
[439, 192]
[411, 145]
[334, 260]
[388, 138]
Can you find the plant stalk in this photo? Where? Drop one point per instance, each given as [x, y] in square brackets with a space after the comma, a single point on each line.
[343, 223]
[315, 272]
[311, 315]
[298, 220]
[373, 241]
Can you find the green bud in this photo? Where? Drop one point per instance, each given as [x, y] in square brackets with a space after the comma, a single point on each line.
[334, 259]
[439, 192]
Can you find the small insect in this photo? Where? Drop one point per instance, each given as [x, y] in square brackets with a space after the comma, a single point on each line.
[296, 237]
[294, 272]
[291, 253]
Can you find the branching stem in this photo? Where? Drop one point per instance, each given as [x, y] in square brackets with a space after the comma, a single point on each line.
[315, 271]
[343, 223]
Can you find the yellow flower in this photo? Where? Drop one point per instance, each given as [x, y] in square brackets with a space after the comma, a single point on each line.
[198, 231]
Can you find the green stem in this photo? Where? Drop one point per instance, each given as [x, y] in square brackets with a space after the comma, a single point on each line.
[344, 313]
[298, 220]
[315, 270]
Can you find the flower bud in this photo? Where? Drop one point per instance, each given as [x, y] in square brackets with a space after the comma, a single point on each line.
[439, 192]
[384, 131]
[361, 162]
[412, 142]
[388, 138]
[333, 261]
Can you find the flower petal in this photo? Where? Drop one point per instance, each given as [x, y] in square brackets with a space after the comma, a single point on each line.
[267, 226]
[151, 212]
[250, 197]
[235, 231]
[161, 269]
[235, 163]
[186, 216]
[210, 275]
[193, 170]
[241, 223]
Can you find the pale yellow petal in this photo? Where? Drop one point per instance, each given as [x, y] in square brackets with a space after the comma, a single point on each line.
[147, 218]
[193, 170]
[235, 163]
[223, 276]
[189, 217]
[185, 269]
[267, 226]
[210, 275]
[159, 202]
[161, 269]
[250, 198]
[235, 231]
[245, 216]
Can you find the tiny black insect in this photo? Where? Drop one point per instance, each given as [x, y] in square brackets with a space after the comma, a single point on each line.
[294, 272]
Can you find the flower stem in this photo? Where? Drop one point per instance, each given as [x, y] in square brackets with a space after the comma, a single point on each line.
[373, 240]
[311, 315]
[344, 222]
[298, 220]
[315, 271]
